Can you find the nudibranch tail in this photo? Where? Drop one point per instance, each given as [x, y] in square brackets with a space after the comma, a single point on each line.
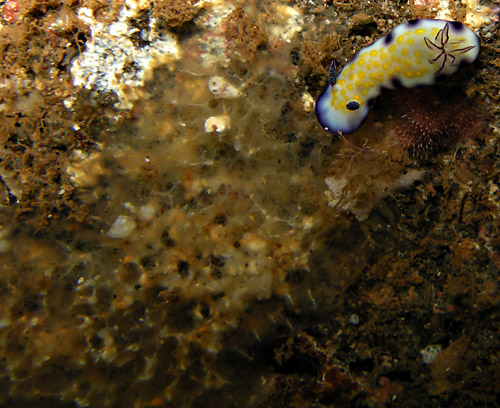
[412, 54]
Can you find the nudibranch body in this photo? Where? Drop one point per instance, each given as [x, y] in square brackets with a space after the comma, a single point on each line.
[412, 54]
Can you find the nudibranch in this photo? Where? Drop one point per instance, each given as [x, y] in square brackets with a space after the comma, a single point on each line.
[414, 53]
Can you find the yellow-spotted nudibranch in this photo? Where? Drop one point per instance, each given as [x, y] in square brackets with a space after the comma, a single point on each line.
[414, 53]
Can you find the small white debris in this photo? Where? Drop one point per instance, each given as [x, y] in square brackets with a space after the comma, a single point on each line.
[217, 124]
[69, 102]
[405, 180]
[308, 102]
[147, 212]
[85, 169]
[348, 192]
[289, 21]
[130, 207]
[430, 352]
[85, 14]
[354, 319]
[122, 227]
[118, 29]
[222, 88]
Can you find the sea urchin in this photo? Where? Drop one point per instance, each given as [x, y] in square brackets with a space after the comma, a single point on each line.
[432, 119]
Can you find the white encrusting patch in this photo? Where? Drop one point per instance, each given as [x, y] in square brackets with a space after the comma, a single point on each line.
[115, 62]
